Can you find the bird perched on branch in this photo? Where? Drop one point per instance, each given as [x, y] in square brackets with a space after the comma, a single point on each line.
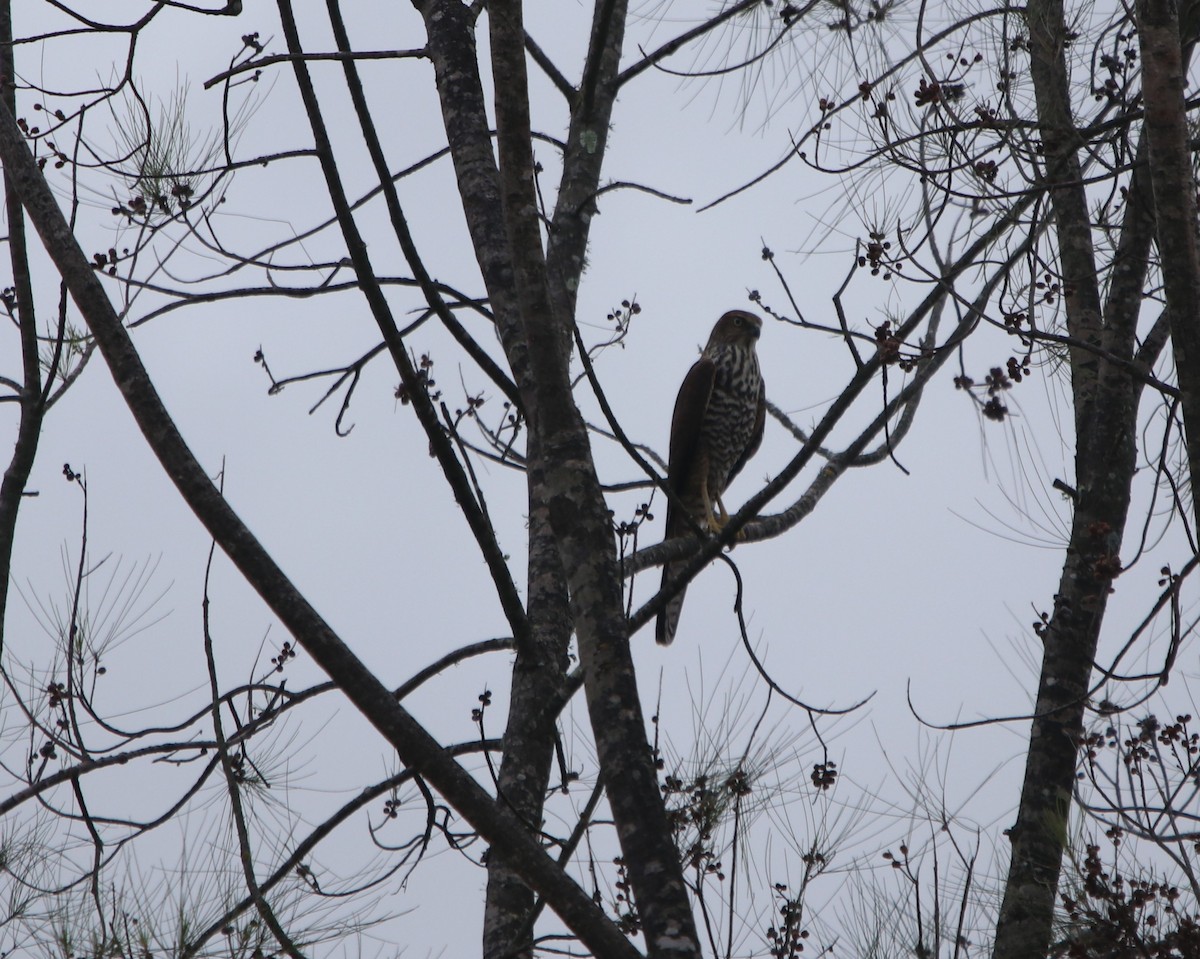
[716, 428]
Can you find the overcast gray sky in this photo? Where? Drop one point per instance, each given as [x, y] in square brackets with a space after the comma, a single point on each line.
[922, 584]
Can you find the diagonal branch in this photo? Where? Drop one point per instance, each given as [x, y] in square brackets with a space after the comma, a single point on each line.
[422, 404]
[415, 746]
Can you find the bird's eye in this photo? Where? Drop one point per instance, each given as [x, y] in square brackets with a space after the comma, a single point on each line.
[737, 321]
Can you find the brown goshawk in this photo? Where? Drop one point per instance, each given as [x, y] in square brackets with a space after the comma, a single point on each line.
[717, 426]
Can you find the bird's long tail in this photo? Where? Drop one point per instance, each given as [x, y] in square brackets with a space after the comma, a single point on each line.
[668, 619]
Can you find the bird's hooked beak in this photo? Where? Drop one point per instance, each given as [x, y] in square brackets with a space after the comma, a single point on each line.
[752, 325]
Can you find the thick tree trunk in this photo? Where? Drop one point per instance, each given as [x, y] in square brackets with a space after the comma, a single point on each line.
[31, 401]
[1166, 130]
[528, 739]
[524, 776]
[502, 217]
[575, 503]
[1105, 401]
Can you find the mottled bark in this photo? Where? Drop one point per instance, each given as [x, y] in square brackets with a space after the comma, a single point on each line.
[587, 140]
[450, 31]
[1128, 269]
[1166, 130]
[537, 671]
[524, 775]
[31, 401]
[579, 515]
[1105, 403]
[542, 644]
[524, 767]
[508, 247]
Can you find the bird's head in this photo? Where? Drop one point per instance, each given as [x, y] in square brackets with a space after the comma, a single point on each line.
[736, 328]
